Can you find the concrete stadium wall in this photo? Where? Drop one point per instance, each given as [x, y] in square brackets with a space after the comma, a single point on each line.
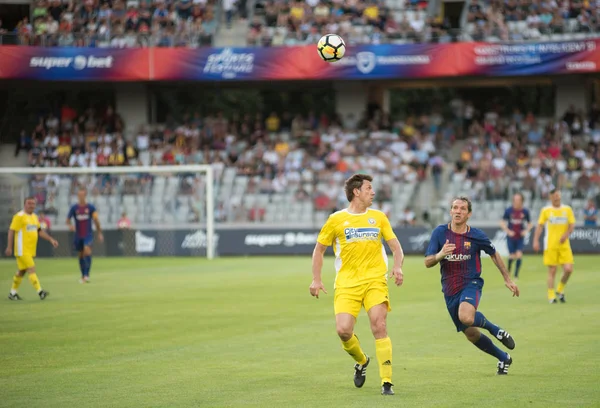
[570, 90]
[132, 104]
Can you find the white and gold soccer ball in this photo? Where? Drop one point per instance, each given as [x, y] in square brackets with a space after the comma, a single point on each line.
[331, 47]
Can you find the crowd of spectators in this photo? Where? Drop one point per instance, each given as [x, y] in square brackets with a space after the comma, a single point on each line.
[358, 22]
[531, 155]
[311, 154]
[193, 23]
[119, 23]
[373, 22]
[307, 154]
[531, 19]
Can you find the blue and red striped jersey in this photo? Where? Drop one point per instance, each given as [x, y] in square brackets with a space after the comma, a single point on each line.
[82, 214]
[517, 220]
[464, 264]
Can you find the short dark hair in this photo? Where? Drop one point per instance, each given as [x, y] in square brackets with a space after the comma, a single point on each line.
[554, 190]
[28, 198]
[465, 199]
[355, 181]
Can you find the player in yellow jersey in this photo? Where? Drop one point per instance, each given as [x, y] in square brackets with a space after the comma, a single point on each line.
[559, 221]
[23, 236]
[361, 265]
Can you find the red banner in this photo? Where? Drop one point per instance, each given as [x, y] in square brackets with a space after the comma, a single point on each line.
[366, 62]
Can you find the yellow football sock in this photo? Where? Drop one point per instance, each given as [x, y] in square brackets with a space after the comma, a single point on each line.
[35, 282]
[383, 348]
[551, 294]
[16, 283]
[560, 288]
[352, 347]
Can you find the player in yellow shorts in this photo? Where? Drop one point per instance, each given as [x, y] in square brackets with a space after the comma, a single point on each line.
[361, 264]
[558, 221]
[23, 236]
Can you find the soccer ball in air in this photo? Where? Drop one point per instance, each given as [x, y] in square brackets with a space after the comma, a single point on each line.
[331, 47]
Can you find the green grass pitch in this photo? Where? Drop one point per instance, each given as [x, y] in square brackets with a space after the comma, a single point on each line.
[244, 332]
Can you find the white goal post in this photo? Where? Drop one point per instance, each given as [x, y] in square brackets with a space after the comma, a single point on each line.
[7, 172]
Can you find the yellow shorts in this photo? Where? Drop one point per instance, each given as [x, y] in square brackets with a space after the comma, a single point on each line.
[25, 262]
[350, 300]
[558, 256]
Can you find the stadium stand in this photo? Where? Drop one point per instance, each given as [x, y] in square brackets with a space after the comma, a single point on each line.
[282, 23]
[187, 23]
[118, 24]
[278, 170]
[373, 22]
[518, 20]
[529, 155]
[274, 169]
[261, 175]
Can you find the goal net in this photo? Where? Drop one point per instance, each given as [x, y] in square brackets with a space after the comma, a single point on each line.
[143, 211]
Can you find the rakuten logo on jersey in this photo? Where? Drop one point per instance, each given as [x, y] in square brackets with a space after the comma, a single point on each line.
[457, 257]
[78, 63]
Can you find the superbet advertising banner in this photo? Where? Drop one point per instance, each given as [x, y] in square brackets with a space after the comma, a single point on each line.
[74, 64]
[365, 62]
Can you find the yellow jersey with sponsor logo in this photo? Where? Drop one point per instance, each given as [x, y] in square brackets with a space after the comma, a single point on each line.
[26, 228]
[556, 222]
[360, 256]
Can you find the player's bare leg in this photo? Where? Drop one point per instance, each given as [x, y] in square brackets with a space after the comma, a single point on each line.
[560, 290]
[17, 279]
[344, 325]
[466, 314]
[551, 279]
[383, 346]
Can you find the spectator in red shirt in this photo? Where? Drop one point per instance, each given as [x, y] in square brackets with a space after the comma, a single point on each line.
[124, 222]
[67, 114]
[168, 157]
[554, 150]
